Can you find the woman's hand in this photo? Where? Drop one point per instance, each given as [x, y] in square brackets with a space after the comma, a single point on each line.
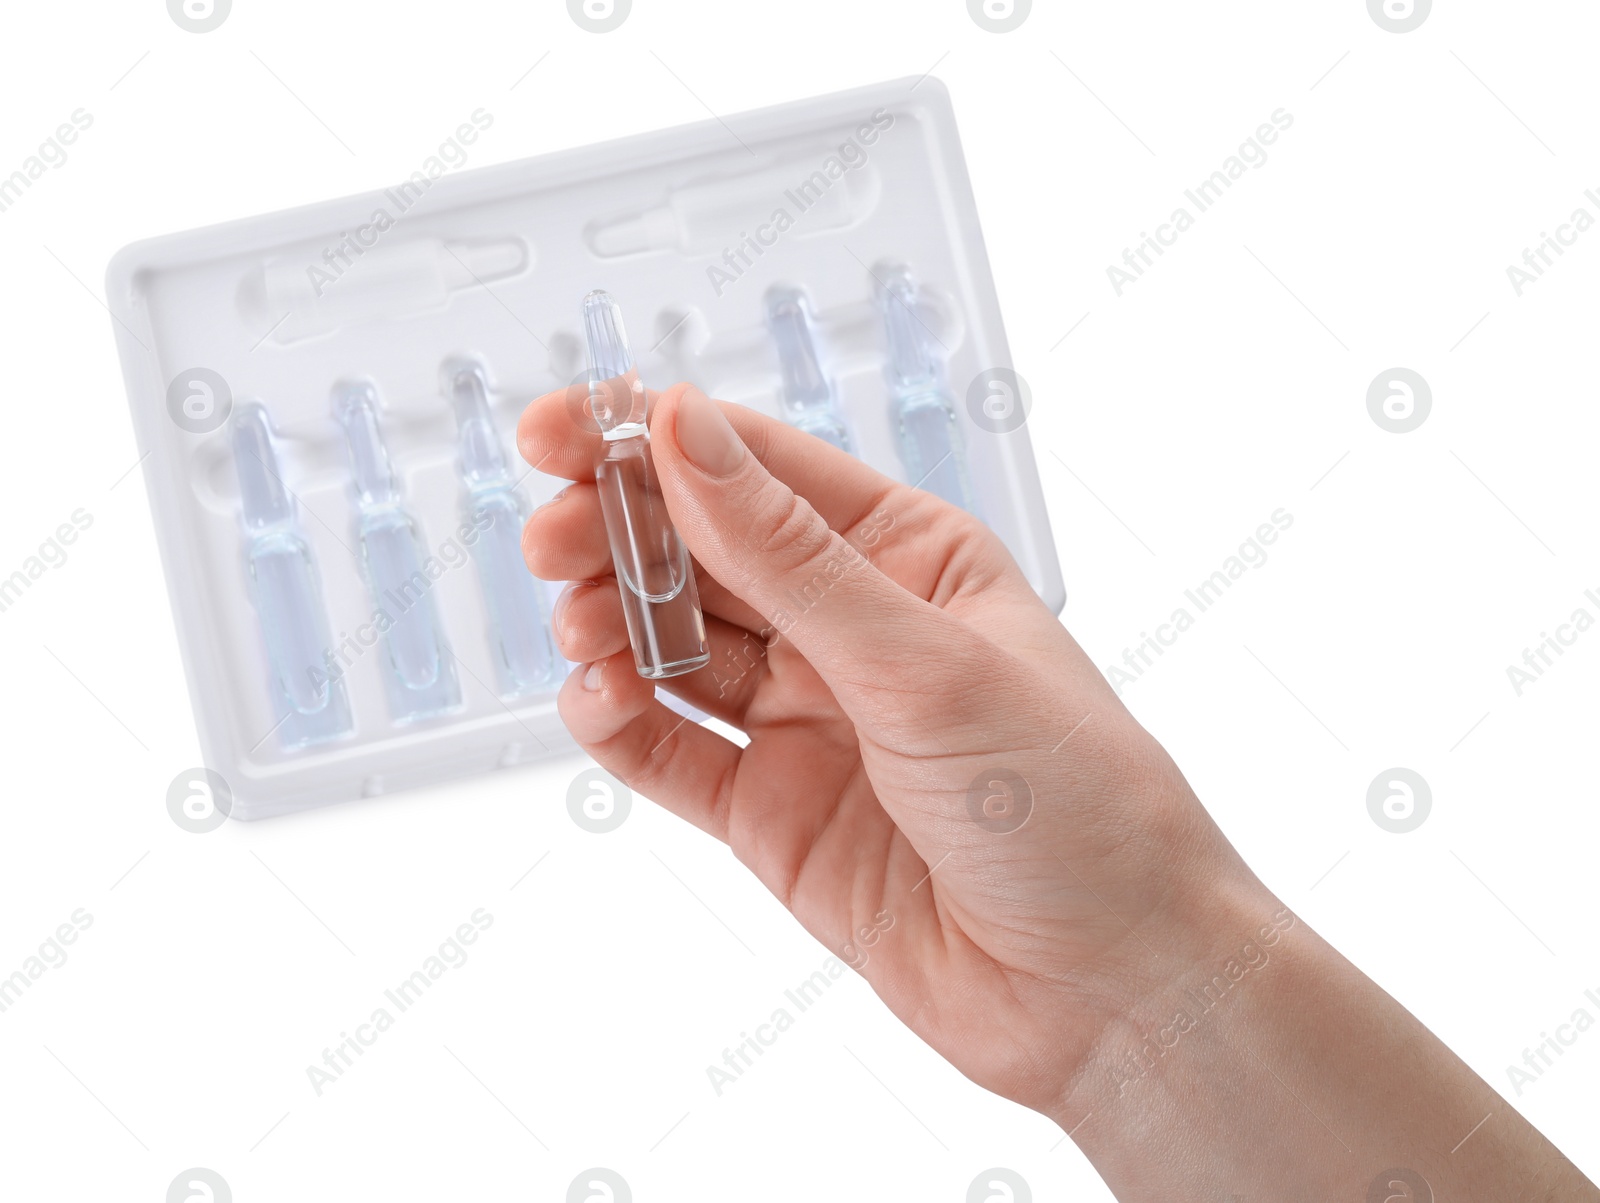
[938, 783]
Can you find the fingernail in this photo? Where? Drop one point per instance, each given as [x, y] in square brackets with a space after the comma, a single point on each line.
[558, 616]
[591, 678]
[705, 436]
[554, 501]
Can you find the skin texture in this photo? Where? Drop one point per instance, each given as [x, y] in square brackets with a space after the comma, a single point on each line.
[935, 767]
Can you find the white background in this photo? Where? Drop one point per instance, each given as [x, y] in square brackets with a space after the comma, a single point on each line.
[1227, 383]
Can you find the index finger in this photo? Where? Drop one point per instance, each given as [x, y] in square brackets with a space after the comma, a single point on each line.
[558, 435]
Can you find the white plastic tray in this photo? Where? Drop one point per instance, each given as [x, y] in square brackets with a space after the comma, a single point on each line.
[681, 225]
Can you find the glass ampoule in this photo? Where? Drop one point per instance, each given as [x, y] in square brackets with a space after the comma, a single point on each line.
[924, 413]
[809, 400]
[307, 686]
[519, 629]
[420, 676]
[654, 574]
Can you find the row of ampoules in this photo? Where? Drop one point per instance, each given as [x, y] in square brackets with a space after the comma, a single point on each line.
[420, 672]
[927, 432]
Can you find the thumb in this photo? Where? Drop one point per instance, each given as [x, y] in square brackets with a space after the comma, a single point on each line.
[774, 551]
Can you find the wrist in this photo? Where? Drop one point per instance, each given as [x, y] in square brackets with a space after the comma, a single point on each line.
[1212, 942]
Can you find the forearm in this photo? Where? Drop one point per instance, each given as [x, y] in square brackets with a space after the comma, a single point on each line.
[1256, 1063]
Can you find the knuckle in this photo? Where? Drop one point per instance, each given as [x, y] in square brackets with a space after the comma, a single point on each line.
[786, 531]
[970, 529]
[649, 764]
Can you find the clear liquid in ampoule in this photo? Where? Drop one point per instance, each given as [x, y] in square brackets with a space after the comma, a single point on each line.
[654, 575]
